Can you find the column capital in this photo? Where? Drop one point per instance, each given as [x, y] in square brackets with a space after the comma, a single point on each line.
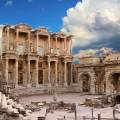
[65, 62]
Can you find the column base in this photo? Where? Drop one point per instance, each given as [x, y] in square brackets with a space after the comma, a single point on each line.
[56, 84]
[37, 86]
[28, 85]
[65, 84]
[16, 86]
[49, 84]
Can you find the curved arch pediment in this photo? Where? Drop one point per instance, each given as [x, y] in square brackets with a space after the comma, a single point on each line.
[23, 26]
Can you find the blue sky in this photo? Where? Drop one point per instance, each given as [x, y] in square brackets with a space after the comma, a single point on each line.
[95, 24]
[47, 13]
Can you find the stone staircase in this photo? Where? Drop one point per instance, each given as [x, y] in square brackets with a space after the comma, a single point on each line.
[44, 90]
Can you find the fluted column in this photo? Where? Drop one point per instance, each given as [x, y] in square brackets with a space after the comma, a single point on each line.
[56, 73]
[37, 85]
[56, 45]
[29, 76]
[16, 42]
[8, 38]
[108, 84]
[29, 50]
[16, 73]
[37, 35]
[6, 70]
[65, 45]
[49, 43]
[65, 73]
[71, 73]
[92, 83]
[49, 72]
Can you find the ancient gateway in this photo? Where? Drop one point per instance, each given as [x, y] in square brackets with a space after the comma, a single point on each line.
[98, 75]
[32, 58]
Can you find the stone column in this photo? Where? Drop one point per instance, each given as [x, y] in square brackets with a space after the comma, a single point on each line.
[49, 44]
[29, 76]
[49, 72]
[16, 74]
[80, 81]
[56, 73]
[6, 70]
[65, 45]
[70, 46]
[29, 49]
[108, 84]
[92, 83]
[65, 73]
[37, 85]
[56, 44]
[15, 42]
[8, 38]
[71, 74]
[37, 35]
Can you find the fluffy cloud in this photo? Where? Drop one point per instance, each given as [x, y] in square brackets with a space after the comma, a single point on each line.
[93, 52]
[92, 22]
[9, 3]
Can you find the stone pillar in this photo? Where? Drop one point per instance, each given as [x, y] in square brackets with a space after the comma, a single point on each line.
[25, 73]
[80, 81]
[29, 76]
[92, 83]
[37, 85]
[8, 38]
[15, 42]
[71, 73]
[49, 72]
[56, 73]
[70, 46]
[6, 70]
[37, 35]
[16, 74]
[108, 84]
[65, 74]
[49, 44]
[29, 49]
[56, 45]
[65, 45]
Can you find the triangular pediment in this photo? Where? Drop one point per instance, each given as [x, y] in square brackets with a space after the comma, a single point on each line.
[23, 26]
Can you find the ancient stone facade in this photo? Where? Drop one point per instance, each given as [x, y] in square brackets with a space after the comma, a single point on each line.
[98, 75]
[34, 58]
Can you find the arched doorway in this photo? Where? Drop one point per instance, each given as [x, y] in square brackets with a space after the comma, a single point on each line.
[115, 81]
[85, 82]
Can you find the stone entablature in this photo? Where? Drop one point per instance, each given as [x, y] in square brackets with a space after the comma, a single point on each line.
[112, 58]
[90, 60]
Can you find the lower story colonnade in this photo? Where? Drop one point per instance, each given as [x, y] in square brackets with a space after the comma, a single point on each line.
[34, 73]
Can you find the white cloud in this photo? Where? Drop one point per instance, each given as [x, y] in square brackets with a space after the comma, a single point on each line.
[93, 52]
[9, 3]
[92, 21]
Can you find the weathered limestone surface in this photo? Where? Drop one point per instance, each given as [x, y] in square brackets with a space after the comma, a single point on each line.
[101, 74]
[34, 58]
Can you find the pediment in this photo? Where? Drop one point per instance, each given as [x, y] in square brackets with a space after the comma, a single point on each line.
[43, 30]
[23, 27]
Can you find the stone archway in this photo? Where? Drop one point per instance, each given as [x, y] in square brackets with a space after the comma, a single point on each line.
[85, 82]
[113, 82]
